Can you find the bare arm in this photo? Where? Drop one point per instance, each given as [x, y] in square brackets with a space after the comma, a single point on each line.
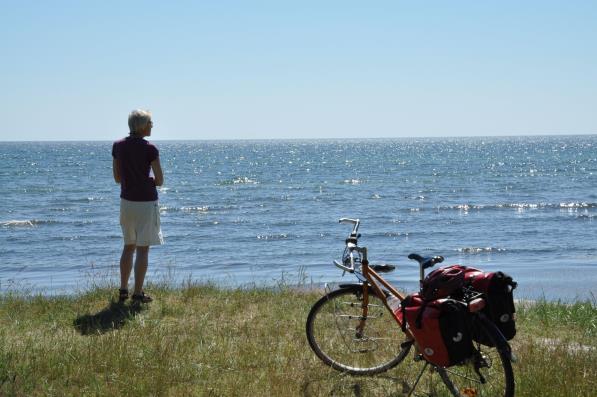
[157, 172]
[116, 170]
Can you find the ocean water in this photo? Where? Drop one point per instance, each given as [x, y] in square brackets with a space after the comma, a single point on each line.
[264, 212]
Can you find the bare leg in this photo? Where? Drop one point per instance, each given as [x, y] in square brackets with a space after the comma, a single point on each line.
[141, 261]
[126, 265]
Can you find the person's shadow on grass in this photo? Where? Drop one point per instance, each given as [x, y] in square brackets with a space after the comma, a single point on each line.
[112, 317]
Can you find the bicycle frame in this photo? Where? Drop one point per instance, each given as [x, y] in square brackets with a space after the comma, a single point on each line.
[374, 281]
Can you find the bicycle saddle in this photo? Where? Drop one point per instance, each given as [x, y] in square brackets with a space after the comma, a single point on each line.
[426, 262]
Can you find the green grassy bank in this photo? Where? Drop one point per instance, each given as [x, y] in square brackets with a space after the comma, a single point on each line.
[202, 340]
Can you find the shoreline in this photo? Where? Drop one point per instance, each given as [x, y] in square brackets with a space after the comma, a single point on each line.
[274, 285]
[297, 288]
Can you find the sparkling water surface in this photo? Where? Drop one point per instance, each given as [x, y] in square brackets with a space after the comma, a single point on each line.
[263, 212]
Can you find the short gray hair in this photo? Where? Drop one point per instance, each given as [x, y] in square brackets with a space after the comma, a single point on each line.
[138, 120]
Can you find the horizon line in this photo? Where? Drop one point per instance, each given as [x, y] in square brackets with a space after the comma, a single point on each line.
[313, 139]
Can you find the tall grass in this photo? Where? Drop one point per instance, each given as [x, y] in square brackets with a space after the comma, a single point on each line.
[206, 341]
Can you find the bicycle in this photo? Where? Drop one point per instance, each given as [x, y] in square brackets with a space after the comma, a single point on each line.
[353, 329]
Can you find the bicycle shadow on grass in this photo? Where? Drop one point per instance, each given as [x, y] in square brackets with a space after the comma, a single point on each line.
[112, 317]
[356, 386]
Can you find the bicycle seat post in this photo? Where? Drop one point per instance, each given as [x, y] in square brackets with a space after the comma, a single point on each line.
[425, 263]
[363, 251]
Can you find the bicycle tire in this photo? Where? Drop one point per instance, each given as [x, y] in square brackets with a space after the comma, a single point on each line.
[494, 362]
[332, 333]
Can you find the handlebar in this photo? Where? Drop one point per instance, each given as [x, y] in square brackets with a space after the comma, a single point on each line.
[348, 220]
[354, 222]
[345, 268]
[351, 268]
[352, 246]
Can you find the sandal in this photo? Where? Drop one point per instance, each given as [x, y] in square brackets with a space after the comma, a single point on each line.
[142, 298]
[123, 295]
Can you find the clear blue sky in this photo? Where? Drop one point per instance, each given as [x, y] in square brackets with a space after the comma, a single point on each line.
[278, 69]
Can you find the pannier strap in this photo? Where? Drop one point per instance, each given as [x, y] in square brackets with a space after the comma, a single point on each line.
[403, 310]
[419, 319]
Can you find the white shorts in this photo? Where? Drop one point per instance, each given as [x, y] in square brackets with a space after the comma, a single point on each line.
[140, 222]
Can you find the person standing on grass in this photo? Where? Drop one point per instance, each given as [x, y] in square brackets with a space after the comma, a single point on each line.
[136, 167]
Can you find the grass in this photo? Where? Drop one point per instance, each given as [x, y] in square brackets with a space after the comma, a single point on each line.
[206, 341]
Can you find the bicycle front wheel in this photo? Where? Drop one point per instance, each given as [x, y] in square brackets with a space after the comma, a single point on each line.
[488, 373]
[348, 340]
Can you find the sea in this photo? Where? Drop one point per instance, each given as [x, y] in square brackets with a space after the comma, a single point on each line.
[264, 213]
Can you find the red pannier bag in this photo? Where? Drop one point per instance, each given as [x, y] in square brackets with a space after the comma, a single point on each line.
[446, 281]
[499, 307]
[440, 329]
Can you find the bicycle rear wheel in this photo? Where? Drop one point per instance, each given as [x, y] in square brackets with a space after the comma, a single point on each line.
[343, 338]
[488, 373]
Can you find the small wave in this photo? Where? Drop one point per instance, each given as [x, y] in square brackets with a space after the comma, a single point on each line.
[64, 238]
[578, 205]
[570, 205]
[353, 181]
[240, 221]
[15, 223]
[27, 223]
[395, 234]
[518, 206]
[244, 179]
[241, 180]
[459, 207]
[390, 234]
[278, 236]
[86, 199]
[479, 250]
[195, 209]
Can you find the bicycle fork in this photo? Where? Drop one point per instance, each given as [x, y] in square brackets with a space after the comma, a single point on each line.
[365, 306]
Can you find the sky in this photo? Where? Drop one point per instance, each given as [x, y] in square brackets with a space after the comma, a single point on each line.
[73, 70]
